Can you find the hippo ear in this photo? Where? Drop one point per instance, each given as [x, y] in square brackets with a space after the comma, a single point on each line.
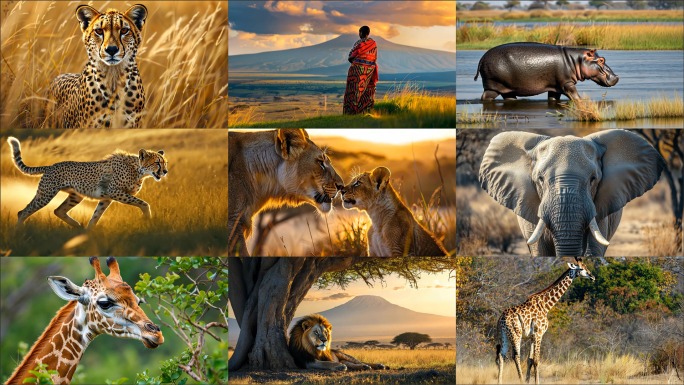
[601, 61]
[505, 172]
[630, 167]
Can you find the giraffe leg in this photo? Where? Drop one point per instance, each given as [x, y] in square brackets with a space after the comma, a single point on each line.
[42, 198]
[530, 361]
[537, 356]
[516, 356]
[62, 212]
[99, 210]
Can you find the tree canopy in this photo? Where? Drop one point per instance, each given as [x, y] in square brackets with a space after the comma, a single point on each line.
[411, 339]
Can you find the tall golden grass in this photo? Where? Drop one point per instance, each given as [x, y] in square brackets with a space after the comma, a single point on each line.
[189, 206]
[410, 359]
[578, 15]
[598, 35]
[609, 369]
[586, 110]
[183, 61]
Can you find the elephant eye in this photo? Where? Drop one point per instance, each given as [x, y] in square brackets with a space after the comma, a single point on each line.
[541, 179]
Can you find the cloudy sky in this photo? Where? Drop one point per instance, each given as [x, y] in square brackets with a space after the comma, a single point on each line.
[259, 26]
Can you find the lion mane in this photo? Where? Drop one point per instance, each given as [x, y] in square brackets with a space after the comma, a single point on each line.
[301, 348]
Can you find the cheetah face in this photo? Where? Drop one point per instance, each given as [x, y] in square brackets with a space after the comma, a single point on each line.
[153, 163]
[112, 36]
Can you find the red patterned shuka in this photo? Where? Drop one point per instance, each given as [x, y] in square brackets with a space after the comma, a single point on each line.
[361, 77]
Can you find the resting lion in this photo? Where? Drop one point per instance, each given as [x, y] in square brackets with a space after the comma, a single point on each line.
[309, 345]
[269, 169]
[394, 231]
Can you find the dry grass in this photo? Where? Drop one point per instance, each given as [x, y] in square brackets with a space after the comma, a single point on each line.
[610, 369]
[661, 240]
[189, 206]
[409, 359]
[600, 36]
[183, 61]
[586, 110]
[410, 97]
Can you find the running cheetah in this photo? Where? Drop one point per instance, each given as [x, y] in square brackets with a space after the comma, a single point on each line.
[118, 177]
[109, 91]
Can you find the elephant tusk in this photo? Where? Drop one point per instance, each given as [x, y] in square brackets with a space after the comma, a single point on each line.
[596, 232]
[538, 231]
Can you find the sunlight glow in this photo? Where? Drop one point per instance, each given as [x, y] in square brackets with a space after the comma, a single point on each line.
[387, 136]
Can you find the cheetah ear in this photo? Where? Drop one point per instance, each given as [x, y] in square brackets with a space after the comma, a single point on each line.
[380, 177]
[137, 13]
[85, 15]
[142, 153]
[290, 143]
[160, 152]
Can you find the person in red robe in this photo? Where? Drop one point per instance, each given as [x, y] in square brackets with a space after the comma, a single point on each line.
[362, 76]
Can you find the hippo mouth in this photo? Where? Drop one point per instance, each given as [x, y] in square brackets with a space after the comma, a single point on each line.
[321, 198]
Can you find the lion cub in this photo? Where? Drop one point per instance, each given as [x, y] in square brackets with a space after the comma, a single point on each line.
[394, 231]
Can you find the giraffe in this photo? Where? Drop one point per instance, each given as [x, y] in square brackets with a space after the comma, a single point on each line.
[103, 305]
[530, 319]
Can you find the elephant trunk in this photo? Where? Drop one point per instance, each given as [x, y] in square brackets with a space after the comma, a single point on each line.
[567, 216]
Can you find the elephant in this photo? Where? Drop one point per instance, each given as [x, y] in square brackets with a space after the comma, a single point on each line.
[568, 192]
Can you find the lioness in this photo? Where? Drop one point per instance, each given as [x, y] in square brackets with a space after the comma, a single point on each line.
[270, 169]
[309, 345]
[394, 231]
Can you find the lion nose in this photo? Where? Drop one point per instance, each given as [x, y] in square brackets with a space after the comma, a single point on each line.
[112, 49]
[152, 327]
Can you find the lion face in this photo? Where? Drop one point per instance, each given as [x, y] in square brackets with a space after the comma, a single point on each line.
[364, 189]
[306, 174]
[318, 336]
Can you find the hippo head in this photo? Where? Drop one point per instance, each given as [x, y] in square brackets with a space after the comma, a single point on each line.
[594, 67]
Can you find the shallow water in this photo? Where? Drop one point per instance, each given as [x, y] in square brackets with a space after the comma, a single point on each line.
[643, 75]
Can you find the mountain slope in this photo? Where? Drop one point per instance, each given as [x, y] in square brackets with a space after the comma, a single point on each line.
[369, 317]
[330, 58]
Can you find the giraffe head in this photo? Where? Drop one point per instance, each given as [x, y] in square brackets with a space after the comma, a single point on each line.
[107, 305]
[579, 270]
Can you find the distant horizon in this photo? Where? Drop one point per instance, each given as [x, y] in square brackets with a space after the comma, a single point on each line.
[333, 38]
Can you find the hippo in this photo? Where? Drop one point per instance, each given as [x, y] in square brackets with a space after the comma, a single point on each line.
[527, 69]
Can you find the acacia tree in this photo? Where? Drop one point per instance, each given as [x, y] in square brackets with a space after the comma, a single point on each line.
[411, 339]
[266, 292]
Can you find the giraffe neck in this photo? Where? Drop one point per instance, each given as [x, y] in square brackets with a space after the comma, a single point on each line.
[550, 296]
[60, 347]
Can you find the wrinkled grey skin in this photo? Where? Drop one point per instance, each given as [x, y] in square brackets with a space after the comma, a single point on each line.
[527, 69]
[568, 181]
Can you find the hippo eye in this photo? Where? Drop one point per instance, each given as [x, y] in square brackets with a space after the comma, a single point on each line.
[99, 31]
[124, 31]
[105, 303]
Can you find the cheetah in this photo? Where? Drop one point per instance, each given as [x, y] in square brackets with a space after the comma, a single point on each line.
[117, 177]
[109, 91]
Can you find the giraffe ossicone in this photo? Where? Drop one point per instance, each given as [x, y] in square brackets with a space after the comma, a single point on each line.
[103, 305]
[529, 319]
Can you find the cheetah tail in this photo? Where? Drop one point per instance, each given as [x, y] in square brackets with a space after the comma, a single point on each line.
[16, 156]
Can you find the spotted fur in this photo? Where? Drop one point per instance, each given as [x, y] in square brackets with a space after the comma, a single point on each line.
[109, 91]
[118, 177]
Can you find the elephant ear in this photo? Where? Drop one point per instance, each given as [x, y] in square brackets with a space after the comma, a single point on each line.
[505, 172]
[630, 166]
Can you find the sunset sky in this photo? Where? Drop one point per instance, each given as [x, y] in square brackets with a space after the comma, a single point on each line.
[436, 294]
[259, 26]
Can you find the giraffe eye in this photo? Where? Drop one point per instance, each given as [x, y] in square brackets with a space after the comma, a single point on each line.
[105, 304]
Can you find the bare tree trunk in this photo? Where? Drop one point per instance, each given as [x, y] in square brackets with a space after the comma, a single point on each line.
[264, 295]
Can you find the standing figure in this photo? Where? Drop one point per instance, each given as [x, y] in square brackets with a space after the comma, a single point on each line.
[362, 75]
[530, 320]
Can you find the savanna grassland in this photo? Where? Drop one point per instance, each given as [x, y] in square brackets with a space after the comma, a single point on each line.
[189, 205]
[420, 174]
[404, 105]
[407, 367]
[182, 59]
[479, 32]
[623, 328]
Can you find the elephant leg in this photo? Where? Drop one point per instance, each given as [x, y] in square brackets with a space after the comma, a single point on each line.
[489, 95]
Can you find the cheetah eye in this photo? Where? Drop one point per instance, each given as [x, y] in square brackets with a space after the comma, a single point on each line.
[99, 31]
[124, 31]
